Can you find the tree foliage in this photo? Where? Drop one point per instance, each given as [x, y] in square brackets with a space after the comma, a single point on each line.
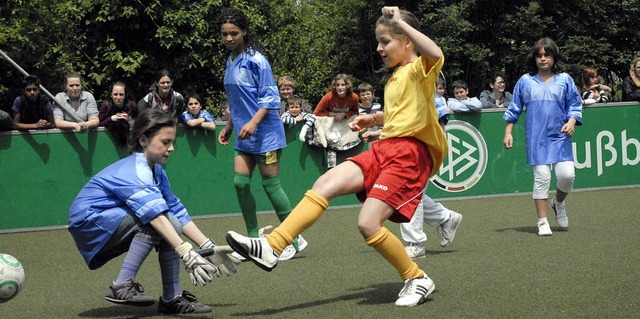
[312, 40]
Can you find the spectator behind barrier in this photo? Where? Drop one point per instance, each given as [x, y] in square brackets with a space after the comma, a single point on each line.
[78, 102]
[32, 110]
[287, 87]
[116, 112]
[461, 102]
[631, 84]
[495, 96]
[592, 92]
[341, 102]
[195, 116]
[162, 96]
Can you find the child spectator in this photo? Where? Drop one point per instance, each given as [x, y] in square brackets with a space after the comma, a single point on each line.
[592, 92]
[224, 111]
[341, 102]
[80, 111]
[116, 111]
[287, 87]
[496, 96]
[163, 96]
[195, 116]
[367, 105]
[295, 114]
[441, 88]
[461, 102]
[32, 110]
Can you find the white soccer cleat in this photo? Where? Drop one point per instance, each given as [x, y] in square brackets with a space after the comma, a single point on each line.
[415, 291]
[302, 243]
[561, 213]
[257, 250]
[287, 253]
[544, 229]
[415, 250]
[448, 229]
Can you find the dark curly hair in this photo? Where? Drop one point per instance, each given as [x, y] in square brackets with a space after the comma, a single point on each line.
[237, 17]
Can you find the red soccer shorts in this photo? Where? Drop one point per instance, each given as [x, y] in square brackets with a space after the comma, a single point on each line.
[396, 171]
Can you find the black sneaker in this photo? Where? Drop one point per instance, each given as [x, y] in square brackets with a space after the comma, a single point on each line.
[128, 293]
[185, 303]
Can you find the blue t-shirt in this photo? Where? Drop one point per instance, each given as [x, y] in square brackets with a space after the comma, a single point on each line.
[124, 186]
[187, 116]
[250, 86]
[549, 106]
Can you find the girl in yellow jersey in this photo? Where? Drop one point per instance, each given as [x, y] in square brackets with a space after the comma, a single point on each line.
[391, 176]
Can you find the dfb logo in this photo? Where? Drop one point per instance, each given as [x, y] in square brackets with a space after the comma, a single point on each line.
[467, 158]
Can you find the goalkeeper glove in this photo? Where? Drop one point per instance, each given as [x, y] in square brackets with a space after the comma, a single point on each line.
[199, 269]
[221, 257]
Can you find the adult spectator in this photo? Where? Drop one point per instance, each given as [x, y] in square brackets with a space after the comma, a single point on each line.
[32, 110]
[495, 96]
[631, 84]
[75, 101]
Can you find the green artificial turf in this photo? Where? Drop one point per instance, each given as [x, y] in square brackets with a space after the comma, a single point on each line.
[496, 268]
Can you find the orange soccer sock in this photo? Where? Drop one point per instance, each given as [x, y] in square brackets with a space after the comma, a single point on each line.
[390, 247]
[308, 210]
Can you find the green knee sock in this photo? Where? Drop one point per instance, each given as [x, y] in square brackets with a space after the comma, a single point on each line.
[279, 199]
[247, 203]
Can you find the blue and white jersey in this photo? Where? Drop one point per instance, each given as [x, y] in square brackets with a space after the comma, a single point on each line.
[127, 185]
[250, 86]
[548, 106]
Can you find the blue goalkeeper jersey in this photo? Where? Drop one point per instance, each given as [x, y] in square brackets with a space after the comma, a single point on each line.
[548, 106]
[250, 86]
[127, 185]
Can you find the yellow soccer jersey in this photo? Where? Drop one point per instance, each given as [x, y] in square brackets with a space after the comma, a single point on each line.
[409, 107]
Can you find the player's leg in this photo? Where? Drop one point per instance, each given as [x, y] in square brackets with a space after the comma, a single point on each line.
[417, 284]
[565, 176]
[346, 178]
[173, 300]
[541, 182]
[243, 166]
[413, 233]
[269, 167]
[395, 194]
[446, 220]
[130, 237]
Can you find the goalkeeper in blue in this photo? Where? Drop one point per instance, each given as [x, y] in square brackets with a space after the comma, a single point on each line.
[129, 207]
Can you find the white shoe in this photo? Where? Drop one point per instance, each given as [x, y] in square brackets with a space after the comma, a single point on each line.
[561, 213]
[287, 253]
[415, 291]
[544, 229]
[448, 229]
[415, 250]
[302, 243]
[257, 250]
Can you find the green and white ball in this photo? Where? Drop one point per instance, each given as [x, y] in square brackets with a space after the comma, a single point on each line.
[11, 277]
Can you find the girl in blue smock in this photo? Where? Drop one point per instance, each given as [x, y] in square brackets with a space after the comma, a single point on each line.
[254, 102]
[129, 207]
[553, 109]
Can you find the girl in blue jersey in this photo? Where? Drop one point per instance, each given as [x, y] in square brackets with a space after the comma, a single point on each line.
[129, 207]
[554, 107]
[254, 102]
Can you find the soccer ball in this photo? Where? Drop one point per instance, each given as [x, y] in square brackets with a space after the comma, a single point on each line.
[11, 277]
